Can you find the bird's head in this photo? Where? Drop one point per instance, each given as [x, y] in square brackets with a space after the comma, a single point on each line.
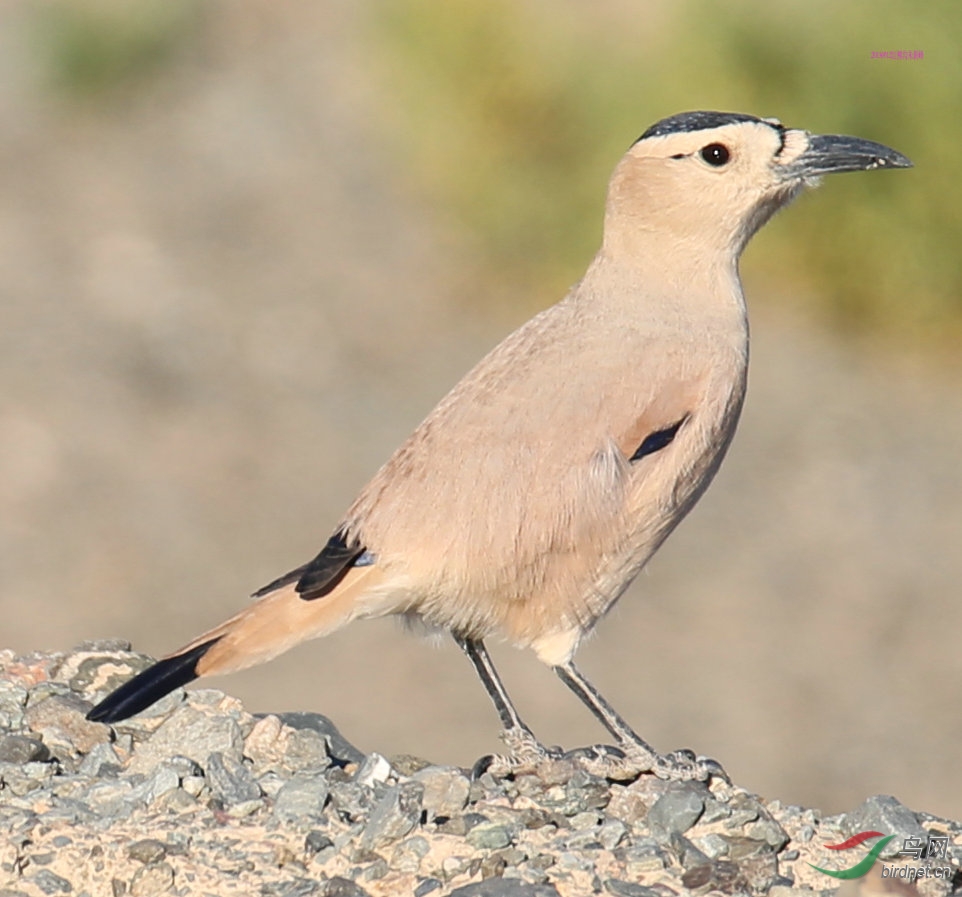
[712, 179]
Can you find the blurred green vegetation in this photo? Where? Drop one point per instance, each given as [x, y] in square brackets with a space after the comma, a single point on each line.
[87, 48]
[512, 114]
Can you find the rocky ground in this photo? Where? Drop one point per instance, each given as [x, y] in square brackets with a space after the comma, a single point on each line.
[197, 796]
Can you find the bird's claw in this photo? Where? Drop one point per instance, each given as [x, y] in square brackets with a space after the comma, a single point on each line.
[631, 760]
[525, 752]
[684, 766]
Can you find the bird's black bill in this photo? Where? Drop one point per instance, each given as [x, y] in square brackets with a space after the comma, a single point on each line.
[830, 153]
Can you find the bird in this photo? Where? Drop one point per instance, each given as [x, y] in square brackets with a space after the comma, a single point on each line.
[532, 495]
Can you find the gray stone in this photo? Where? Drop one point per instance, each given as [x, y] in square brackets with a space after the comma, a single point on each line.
[351, 802]
[885, 814]
[66, 712]
[161, 780]
[338, 746]
[629, 804]
[445, 791]
[580, 840]
[20, 749]
[425, 886]
[715, 811]
[717, 874]
[375, 870]
[13, 699]
[712, 845]
[302, 797]
[585, 791]
[676, 811]
[110, 798]
[489, 836]
[301, 887]
[271, 783]
[394, 816]
[374, 770]
[315, 841]
[149, 881]
[178, 800]
[192, 733]
[611, 833]
[644, 858]
[587, 819]
[230, 781]
[629, 889]
[95, 672]
[408, 854]
[343, 887]
[242, 808]
[504, 887]
[147, 850]
[50, 883]
[760, 872]
[101, 761]
[688, 854]
[306, 751]
[408, 764]
[768, 830]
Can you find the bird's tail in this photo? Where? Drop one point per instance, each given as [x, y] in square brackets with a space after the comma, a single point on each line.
[270, 626]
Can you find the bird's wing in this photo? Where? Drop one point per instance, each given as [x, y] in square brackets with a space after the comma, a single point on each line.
[520, 480]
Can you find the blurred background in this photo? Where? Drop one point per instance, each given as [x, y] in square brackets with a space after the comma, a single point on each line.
[244, 248]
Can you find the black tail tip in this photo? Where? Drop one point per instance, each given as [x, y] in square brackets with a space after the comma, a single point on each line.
[150, 686]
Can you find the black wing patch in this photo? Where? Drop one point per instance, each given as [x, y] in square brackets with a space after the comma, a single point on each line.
[317, 578]
[655, 442]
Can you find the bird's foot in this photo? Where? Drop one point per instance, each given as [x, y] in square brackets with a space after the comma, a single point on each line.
[525, 753]
[678, 766]
[630, 760]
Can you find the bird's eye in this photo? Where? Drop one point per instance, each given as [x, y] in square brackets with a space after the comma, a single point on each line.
[715, 154]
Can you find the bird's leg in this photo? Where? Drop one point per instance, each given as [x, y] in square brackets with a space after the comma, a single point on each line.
[639, 756]
[523, 747]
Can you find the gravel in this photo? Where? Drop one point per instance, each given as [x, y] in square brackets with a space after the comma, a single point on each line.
[199, 796]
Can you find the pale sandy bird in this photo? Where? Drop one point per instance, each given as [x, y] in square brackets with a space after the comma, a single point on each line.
[535, 492]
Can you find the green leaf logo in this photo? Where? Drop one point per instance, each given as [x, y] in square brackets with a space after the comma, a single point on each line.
[859, 869]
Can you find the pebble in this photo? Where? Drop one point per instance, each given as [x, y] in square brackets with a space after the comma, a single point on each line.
[499, 887]
[621, 888]
[148, 850]
[22, 749]
[489, 836]
[394, 816]
[337, 745]
[199, 789]
[191, 732]
[302, 797]
[446, 791]
[229, 780]
[885, 814]
[49, 882]
[66, 714]
[148, 881]
[676, 811]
